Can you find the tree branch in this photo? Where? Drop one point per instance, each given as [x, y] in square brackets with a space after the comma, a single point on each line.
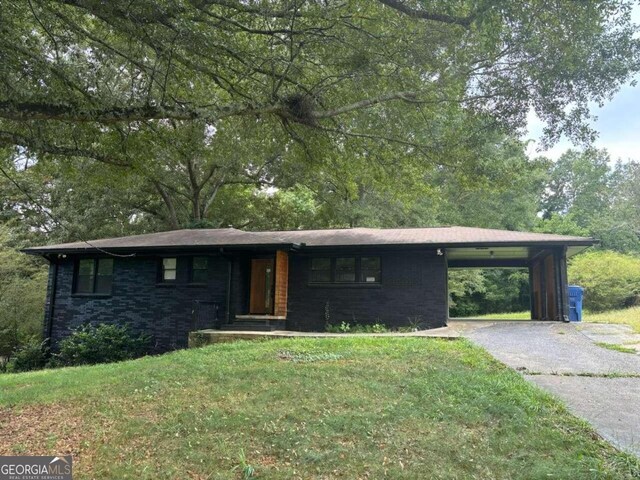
[361, 105]
[423, 14]
[26, 111]
[12, 139]
[173, 216]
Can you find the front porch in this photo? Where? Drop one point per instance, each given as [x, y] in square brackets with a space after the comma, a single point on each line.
[256, 296]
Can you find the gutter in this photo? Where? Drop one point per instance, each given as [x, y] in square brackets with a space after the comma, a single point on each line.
[227, 310]
[155, 249]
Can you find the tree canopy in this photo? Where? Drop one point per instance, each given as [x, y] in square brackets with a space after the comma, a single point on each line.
[85, 77]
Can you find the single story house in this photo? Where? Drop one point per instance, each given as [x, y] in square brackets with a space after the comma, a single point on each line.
[170, 283]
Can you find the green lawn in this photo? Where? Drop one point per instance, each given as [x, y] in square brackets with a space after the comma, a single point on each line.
[304, 408]
[502, 316]
[627, 316]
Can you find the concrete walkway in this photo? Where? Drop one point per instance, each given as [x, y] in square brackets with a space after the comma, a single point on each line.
[200, 338]
[612, 334]
[600, 385]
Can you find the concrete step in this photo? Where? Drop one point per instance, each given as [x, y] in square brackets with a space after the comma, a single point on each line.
[244, 327]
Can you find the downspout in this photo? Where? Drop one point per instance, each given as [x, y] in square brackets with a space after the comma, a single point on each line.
[227, 311]
[443, 252]
[563, 288]
[532, 301]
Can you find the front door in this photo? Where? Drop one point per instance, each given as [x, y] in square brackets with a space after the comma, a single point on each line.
[261, 298]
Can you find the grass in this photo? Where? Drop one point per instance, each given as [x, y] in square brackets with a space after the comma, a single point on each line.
[304, 408]
[617, 347]
[503, 316]
[626, 316]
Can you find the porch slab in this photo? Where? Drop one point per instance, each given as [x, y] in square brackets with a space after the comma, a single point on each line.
[201, 338]
[260, 317]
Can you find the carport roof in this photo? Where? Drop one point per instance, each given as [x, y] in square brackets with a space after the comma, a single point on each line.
[439, 237]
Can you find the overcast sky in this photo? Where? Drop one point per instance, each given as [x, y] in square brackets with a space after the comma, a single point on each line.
[618, 123]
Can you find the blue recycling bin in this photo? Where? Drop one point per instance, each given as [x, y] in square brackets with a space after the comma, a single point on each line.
[576, 294]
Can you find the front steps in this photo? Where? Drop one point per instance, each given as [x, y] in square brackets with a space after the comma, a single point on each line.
[256, 323]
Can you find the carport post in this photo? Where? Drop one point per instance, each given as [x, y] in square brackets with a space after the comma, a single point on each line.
[532, 298]
[562, 284]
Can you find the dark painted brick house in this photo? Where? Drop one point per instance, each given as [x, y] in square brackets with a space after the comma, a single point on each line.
[168, 284]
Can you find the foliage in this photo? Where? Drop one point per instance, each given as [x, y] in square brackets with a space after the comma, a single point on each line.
[578, 183]
[32, 355]
[139, 117]
[499, 188]
[102, 343]
[247, 470]
[394, 408]
[474, 292]
[464, 284]
[346, 327]
[611, 280]
[585, 195]
[23, 282]
[561, 225]
[358, 68]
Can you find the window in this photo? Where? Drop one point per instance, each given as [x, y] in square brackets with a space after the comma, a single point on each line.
[320, 270]
[199, 269]
[370, 269]
[345, 270]
[105, 275]
[86, 276]
[169, 269]
[94, 276]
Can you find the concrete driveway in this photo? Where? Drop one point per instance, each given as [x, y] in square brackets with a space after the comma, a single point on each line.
[600, 385]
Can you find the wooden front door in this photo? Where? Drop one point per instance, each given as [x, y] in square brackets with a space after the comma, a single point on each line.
[261, 298]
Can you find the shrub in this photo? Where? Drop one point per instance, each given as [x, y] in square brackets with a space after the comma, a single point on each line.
[102, 343]
[31, 356]
[611, 280]
[346, 327]
[374, 328]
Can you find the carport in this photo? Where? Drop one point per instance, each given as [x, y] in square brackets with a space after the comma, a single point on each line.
[545, 260]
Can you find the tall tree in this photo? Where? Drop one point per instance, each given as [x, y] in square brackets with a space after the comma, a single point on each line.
[579, 182]
[586, 195]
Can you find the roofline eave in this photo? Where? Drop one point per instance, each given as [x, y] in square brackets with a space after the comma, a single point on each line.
[302, 246]
[42, 251]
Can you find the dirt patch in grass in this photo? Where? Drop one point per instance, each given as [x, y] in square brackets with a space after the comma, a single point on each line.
[49, 429]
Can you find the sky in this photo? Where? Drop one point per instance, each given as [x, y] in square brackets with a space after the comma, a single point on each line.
[618, 123]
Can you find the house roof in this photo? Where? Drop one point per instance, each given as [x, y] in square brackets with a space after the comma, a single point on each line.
[230, 237]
